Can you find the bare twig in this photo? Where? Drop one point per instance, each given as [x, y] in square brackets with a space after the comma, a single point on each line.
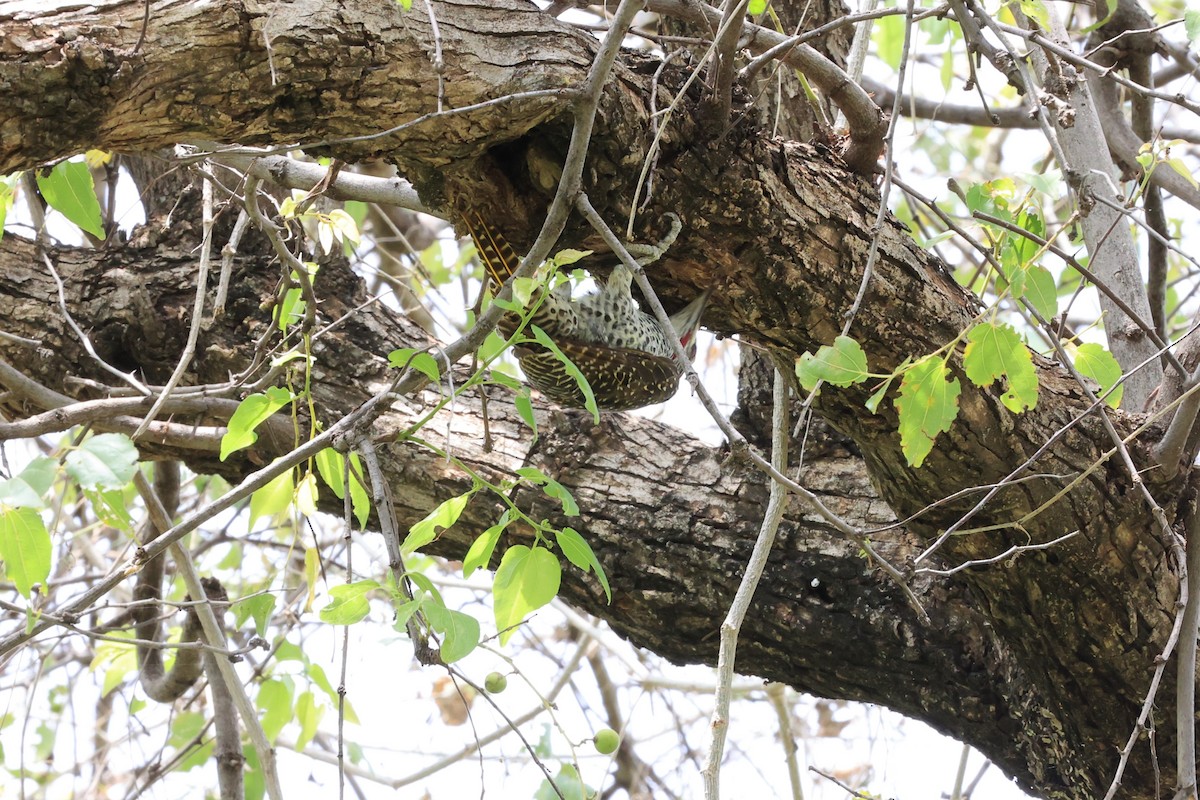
[1011, 552]
[83, 337]
[922, 107]
[727, 655]
[189, 349]
[724, 52]
[956, 793]
[227, 254]
[777, 694]
[886, 189]
[1185, 675]
[213, 630]
[864, 117]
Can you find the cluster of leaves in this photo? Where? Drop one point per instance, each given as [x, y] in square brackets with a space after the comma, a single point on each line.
[927, 401]
[527, 577]
[101, 467]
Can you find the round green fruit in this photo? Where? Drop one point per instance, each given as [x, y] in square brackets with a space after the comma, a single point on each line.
[495, 683]
[606, 741]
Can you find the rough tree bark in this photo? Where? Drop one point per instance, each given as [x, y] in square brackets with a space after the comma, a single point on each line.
[1041, 663]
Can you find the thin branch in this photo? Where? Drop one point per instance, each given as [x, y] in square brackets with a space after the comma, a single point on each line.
[1017, 118]
[227, 254]
[251, 483]
[956, 793]
[1107, 291]
[213, 632]
[1011, 552]
[1161, 662]
[864, 117]
[189, 348]
[779, 52]
[1185, 675]
[83, 337]
[66, 413]
[100, 414]
[885, 190]
[294, 174]
[724, 52]
[727, 655]
[561, 94]
[564, 678]
[1068, 55]
[777, 694]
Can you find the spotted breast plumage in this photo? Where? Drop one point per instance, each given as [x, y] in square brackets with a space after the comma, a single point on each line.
[626, 357]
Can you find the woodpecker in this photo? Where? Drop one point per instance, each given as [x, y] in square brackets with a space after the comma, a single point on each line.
[621, 350]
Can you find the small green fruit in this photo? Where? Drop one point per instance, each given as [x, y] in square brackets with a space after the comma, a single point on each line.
[495, 683]
[606, 741]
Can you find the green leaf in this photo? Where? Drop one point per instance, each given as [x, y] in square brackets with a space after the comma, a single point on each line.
[589, 398]
[579, 553]
[422, 582]
[877, 396]
[552, 488]
[107, 461]
[275, 701]
[996, 351]
[250, 413]
[889, 40]
[425, 531]
[404, 613]
[947, 70]
[480, 552]
[525, 408]
[1098, 364]
[8, 193]
[349, 602]
[273, 499]
[39, 474]
[421, 361]
[928, 405]
[1036, 9]
[1191, 25]
[756, 7]
[116, 659]
[460, 632]
[842, 364]
[307, 493]
[308, 714]
[1040, 291]
[568, 256]
[185, 729]
[569, 784]
[523, 289]
[70, 191]
[312, 562]
[260, 607]
[504, 374]
[110, 508]
[26, 489]
[330, 467]
[255, 784]
[491, 348]
[526, 580]
[24, 548]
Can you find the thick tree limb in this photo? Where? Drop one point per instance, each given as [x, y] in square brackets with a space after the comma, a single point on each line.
[1042, 666]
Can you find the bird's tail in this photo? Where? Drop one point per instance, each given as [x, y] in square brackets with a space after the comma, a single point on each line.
[497, 255]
